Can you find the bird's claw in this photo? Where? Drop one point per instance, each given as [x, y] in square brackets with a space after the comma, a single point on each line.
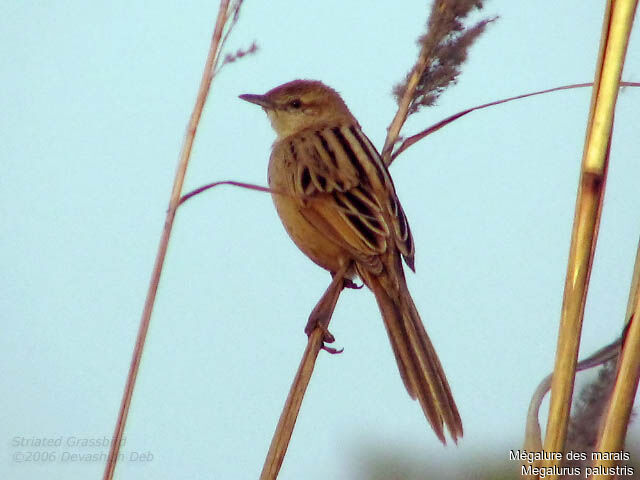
[331, 350]
[348, 283]
[327, 336]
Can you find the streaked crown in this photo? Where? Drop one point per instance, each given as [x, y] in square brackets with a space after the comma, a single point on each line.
[300, 105]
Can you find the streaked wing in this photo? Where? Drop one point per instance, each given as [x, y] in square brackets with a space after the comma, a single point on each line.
[348, 193]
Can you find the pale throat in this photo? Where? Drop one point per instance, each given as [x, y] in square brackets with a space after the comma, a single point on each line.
[286, 124]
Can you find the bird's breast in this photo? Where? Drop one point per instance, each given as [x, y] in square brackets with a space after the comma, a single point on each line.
[290, 205]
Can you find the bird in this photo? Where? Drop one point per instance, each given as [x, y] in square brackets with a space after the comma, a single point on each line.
[337, 201]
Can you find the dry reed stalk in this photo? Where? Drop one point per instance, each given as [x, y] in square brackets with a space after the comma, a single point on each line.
[174, 201]
[444, 19]
[284, 430]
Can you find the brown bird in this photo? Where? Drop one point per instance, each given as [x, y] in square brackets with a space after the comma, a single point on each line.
[338, 203]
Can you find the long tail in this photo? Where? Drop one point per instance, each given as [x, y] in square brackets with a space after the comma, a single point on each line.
[417, 360]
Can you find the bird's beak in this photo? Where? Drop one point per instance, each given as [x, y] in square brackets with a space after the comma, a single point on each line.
[261, 100]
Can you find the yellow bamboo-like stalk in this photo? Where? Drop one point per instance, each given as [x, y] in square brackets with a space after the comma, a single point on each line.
[533, 436]
[635, 284]
[615, 33]
[614, 429]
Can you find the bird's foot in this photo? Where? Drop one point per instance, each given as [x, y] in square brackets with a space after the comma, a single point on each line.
[327, 337]
[348, 283]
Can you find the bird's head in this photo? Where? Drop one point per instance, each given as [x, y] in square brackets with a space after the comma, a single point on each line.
[301, 104]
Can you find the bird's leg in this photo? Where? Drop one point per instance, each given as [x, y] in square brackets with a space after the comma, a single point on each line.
[322, 312]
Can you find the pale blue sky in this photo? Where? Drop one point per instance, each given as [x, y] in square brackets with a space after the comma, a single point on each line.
[95, 101]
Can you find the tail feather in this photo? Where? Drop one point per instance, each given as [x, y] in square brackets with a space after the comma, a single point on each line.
[418, 361]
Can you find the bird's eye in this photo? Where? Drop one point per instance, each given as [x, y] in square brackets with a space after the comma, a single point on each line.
[295, 103]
